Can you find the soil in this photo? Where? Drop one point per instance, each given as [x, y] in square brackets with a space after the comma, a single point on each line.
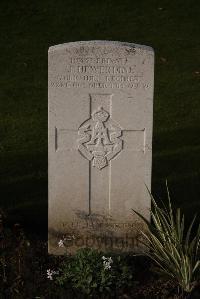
[23, 273]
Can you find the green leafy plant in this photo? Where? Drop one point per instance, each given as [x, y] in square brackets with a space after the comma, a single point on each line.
[174, 249]
[89, 272]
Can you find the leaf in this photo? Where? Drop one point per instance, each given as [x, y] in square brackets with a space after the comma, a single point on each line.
[142, 217]
[89, 279]
[175, 253]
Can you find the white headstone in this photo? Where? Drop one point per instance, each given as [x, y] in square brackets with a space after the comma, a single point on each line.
[100, 144]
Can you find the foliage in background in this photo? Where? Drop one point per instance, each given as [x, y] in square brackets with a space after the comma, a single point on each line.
[12, 248]
[23, 264]
[90, 272]
[175, 250]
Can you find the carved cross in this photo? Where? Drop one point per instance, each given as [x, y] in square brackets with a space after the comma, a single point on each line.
[100, 139]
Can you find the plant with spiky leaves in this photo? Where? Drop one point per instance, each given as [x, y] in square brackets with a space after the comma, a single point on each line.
[175, 250]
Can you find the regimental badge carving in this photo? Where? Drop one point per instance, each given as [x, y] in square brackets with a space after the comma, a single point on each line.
[100, 139]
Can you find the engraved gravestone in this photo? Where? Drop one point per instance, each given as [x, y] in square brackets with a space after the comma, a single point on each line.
[100, 144]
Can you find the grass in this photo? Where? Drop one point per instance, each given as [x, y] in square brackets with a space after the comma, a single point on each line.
[28, 28]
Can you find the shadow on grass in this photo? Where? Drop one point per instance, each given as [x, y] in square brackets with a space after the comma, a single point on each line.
[176, 157]
[23, 186]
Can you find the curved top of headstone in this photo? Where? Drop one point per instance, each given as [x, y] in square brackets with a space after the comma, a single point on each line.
[104, 43]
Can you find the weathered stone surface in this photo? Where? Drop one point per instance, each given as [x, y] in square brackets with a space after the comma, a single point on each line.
[100, 144]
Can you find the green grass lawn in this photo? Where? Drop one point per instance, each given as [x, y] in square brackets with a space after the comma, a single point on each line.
[28, 28]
